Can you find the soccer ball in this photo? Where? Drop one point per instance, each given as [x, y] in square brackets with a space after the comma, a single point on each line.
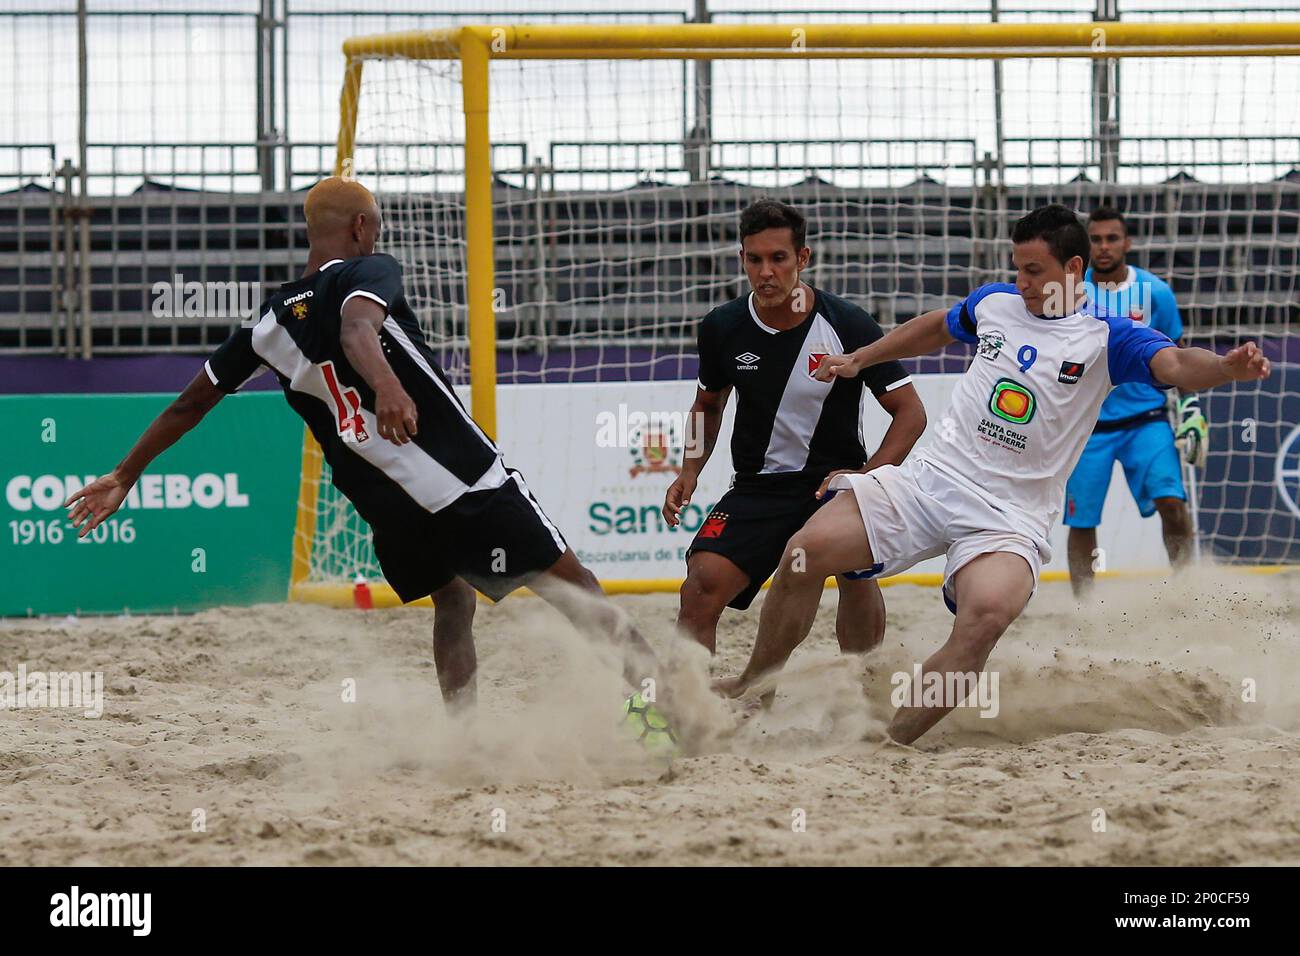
[643, 722]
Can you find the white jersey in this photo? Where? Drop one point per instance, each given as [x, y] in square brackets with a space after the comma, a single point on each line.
[1023, 410]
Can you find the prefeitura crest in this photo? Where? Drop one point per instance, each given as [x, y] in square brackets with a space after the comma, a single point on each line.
[652, 451]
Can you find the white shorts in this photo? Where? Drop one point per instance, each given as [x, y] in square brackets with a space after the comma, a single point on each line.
[915, 511]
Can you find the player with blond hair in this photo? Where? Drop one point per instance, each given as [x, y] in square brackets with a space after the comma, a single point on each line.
[445, 511]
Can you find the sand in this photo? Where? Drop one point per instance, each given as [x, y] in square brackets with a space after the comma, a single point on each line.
[1131, 708]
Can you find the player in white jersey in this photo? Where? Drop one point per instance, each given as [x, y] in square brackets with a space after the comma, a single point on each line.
[987, 491]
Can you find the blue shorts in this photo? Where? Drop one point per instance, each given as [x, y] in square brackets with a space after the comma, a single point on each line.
[1151, 465]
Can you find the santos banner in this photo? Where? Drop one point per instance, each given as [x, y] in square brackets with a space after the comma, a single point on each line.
[210, 522]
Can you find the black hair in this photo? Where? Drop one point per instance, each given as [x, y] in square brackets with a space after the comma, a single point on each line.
[773, 214]
[1109, 214]
[1059, 227]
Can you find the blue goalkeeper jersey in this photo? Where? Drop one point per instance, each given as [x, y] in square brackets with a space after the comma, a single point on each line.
[1148, 301]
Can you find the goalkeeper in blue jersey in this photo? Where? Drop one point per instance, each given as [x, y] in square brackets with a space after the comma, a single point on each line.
[1133, 427]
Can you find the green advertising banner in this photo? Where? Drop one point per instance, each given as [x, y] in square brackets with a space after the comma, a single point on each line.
[210, 522]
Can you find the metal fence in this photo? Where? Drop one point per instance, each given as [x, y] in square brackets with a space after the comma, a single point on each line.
[138, 167]
[1231, 252]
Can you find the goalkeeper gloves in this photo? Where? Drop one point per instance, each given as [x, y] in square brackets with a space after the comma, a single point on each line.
[1192, 434]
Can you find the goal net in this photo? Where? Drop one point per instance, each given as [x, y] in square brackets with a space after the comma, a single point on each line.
[561, 259]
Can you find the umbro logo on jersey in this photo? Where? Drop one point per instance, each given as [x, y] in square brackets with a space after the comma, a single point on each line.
[299, 297]
[747, 362]
[1070, 372]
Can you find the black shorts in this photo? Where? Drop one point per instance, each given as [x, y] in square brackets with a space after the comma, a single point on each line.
[497, 539]
[752, 522]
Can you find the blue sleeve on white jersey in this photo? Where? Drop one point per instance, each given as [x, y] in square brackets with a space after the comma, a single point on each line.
[1130, 349]
[1164, 312]
[961, 325]
[961, 317]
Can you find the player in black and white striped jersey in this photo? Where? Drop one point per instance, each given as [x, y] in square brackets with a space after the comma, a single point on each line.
[445, 511]
[791, 432]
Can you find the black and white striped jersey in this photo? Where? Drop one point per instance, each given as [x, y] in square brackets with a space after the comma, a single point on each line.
[786, 420]
[297, 337]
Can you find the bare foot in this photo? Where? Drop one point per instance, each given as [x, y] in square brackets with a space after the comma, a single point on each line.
[731, 687]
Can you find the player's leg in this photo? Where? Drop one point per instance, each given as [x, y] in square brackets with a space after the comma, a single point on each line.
[504, 541]
[575, 592]
[414, 571]
[860, 619]
[738, 547]
[833, 540]
[1155, 477]
[1085, 495]
[453, 643]
[712, 582]
[990, 592]
[1176, 527]
[1081, 551]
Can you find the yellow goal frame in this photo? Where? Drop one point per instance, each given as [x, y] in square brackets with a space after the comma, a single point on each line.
[476, 46]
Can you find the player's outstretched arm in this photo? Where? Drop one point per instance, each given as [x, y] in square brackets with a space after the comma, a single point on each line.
[1193, 368]
[922, 335]
[359, 335]
[93, 504]
[702, 426]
